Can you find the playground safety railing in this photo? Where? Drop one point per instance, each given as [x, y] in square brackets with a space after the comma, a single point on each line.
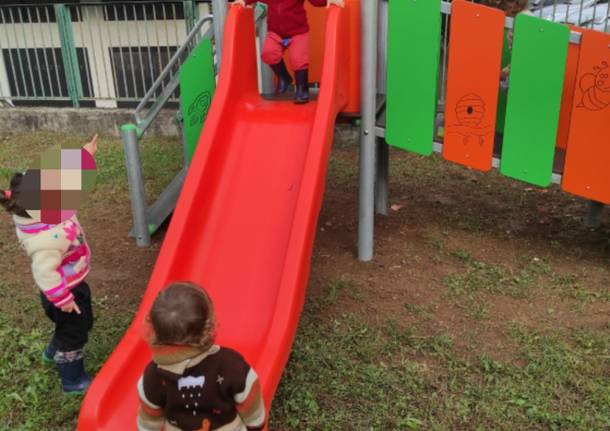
[89, 53]
[593, 14]
[147, 220]
[374, 160]
[165, 86]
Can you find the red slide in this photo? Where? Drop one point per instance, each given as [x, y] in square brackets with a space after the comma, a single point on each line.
[245, 222]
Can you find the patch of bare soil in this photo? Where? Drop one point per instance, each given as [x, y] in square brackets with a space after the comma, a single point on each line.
[443, 213]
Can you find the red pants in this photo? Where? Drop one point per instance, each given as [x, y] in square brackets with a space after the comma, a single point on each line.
[298, 50]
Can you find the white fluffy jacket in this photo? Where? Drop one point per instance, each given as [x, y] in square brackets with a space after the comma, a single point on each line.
[60, 256]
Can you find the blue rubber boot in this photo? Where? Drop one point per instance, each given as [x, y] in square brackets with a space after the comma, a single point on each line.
[302, 94]
[284, 80]
[71, 365]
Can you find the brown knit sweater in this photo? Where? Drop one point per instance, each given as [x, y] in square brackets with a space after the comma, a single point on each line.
[187, 389]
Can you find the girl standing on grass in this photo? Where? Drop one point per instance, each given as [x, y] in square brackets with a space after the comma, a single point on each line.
[193, 383]
[289, 30]
[60, 263]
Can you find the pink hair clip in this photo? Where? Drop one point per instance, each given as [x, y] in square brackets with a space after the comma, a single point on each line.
[8, 193]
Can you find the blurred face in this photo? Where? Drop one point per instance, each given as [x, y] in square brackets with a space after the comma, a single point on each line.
[54, 188]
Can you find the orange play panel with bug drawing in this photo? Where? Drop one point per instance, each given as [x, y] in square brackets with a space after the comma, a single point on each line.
[587, 167]
[473, 83]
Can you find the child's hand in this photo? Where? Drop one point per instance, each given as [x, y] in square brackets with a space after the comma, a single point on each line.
[91, 147]
[70, 307]
[340, 3]
[241, 3]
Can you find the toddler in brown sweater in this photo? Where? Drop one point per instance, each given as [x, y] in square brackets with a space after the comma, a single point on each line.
[192, 383]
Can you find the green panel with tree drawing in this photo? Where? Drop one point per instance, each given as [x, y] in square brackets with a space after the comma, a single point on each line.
[197, 85]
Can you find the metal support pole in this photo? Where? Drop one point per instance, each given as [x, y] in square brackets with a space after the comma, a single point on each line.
[266, 72]
[383, 150]
[219, 10]
[366, 213]
[68, 51]
[129, 134]
[594, 214]
[382, 47]
[381, 184]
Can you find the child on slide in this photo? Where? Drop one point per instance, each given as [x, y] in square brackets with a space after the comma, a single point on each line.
[192, 383]
[288, 29]
[60, 263]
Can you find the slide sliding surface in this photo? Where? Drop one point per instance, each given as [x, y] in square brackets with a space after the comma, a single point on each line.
[245, 222]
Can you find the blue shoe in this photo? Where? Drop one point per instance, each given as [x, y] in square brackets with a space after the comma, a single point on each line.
[48, 354]
[74, 379]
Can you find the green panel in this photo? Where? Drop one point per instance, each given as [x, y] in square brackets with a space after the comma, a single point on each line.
[197, 85]
[534, 99]
[414, 37]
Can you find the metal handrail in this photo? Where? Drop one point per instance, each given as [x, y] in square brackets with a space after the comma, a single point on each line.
[131, 133]
[144, 123]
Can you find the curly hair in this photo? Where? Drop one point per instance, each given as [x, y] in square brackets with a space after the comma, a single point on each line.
[183, 314]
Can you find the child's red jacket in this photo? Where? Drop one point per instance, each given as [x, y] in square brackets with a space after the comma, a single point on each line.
[287, 18]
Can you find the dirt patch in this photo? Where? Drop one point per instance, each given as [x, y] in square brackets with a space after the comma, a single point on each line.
[443, 219]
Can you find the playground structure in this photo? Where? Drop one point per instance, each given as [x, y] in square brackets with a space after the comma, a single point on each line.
[245, 219]
[550, 131]
[184, 71]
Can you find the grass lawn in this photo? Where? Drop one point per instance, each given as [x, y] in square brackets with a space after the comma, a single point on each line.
[487, 306]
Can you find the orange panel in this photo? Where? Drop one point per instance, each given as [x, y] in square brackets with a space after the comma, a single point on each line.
[475, 58]
[587, 167]
[317, 25]
[569, 86]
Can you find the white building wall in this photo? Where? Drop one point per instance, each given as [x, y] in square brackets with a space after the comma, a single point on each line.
[98, 37]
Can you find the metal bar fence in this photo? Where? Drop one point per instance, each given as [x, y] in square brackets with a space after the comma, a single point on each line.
[121, 49]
